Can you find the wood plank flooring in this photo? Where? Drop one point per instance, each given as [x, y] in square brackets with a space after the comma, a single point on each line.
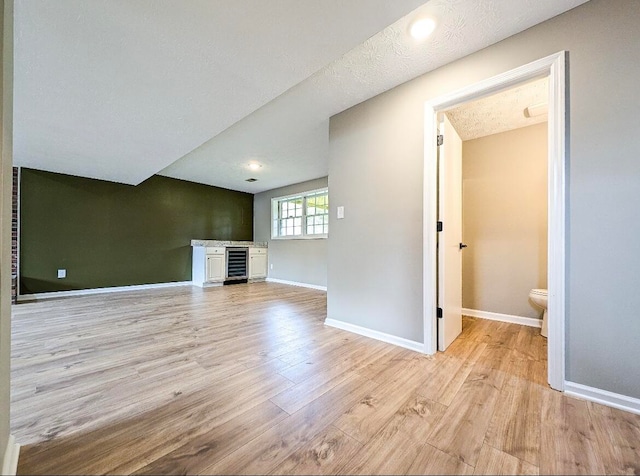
[246, 379]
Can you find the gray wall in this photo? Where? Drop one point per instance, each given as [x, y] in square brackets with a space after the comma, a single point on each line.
[375, 252]
[6, 134]
[302, 261]
[375, 170]
[504, 220]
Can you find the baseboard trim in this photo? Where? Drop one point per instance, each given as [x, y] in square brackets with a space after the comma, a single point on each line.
[11, 454]
[86, 292]
[604, 397]
[494, 316]
[388, 338]
[295, 283]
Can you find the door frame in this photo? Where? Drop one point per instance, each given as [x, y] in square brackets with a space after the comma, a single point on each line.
[553, 67]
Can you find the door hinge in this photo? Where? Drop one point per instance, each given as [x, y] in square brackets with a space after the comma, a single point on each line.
[439, 139]
[439, 228]
[439, 313]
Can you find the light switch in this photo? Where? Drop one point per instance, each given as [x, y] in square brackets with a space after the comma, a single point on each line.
[340, 213]
[62, 273]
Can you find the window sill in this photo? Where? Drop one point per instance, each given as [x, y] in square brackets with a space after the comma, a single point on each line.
[286, 238]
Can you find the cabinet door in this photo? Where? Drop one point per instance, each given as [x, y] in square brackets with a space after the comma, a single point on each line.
[215, 268]
[258, 266]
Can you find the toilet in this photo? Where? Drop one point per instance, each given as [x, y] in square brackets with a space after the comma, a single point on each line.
[539, 298]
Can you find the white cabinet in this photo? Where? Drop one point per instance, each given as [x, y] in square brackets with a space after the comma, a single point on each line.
[215, 267]
[257, 263]
[209, 266]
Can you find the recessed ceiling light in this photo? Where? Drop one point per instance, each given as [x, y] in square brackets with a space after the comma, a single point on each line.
[421, 29]
[254, 166]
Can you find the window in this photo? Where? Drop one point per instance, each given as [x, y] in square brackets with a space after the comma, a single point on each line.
[304, 215]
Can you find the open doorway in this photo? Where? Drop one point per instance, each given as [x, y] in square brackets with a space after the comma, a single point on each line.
[493, 196]
[450, 307]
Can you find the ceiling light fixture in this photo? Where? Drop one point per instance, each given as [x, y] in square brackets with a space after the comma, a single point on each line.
[255, 166]
[536, 110]
[421, 29]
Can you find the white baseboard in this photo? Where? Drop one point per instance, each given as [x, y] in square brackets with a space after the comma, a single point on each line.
[86, 292]
[10, 459]
[610, 399]
[209, 285]
[388, 338]
[294, 283]
[494, 316]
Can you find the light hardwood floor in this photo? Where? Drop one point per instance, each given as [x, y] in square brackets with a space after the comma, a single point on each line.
[247, 379]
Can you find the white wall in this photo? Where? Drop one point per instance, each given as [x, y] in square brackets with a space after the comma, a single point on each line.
[302, 261]
[504, 220]
[375, 170]
[6, 108]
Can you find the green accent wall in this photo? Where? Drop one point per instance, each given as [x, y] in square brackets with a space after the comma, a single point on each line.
[111, 234]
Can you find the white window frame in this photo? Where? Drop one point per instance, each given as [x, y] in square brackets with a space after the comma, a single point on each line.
[275, 217]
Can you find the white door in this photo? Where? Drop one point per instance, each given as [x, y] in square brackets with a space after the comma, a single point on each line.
[450, 238]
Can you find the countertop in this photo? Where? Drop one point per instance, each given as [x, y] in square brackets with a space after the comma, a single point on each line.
[257, 244]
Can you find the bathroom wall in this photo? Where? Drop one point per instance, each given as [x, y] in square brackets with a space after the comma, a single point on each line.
[504, 210]
[301, 261]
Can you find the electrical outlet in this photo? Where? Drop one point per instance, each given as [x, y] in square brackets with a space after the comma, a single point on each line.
[340, 213]
[62, 273]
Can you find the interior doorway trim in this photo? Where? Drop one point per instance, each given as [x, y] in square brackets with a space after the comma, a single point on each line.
[553, 67]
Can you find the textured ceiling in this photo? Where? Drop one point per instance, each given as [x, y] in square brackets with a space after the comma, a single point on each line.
[290, 135]
[500, 112]
[119, 89]
[122, 89]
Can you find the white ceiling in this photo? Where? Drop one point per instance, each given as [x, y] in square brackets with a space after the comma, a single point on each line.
[121, 89]
[500, 112]
[290, 135]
